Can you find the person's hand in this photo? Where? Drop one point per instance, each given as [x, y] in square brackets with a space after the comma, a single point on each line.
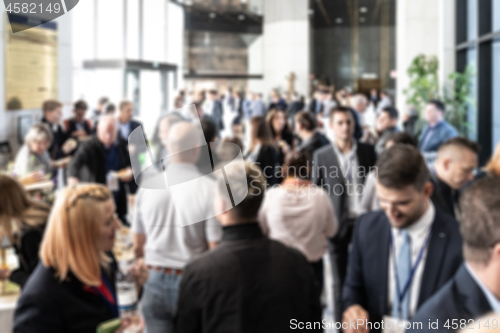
[4, 274]
[69, 145]
[126, 175]
[132, 324]
[62, 163]
[73, 181]
[351, 315]
[78, 133]
[140, 272]
[285, 148]
[33, 178]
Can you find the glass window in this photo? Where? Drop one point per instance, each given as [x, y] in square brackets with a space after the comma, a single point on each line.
[471, 19]
[472, 112]
[495, 95]
[495, 22]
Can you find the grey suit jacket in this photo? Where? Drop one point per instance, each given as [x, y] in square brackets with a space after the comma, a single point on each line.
[324, 163]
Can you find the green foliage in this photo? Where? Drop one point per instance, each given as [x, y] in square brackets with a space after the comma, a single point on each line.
[457, 98]
[424, 86]
[424, 83]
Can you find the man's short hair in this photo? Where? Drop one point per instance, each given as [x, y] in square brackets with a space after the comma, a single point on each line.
[339, 109]
[401, 138]
[438, 104]
[460, 142]
[51, 105]
[297, 165]
[81, 105]
[39, 132]
[124, 104]
[307, 120]
[401, 166]
[212, 92]
[255, 184]
[103, 101]
[480, 222]
[209, 130]
[391, 111]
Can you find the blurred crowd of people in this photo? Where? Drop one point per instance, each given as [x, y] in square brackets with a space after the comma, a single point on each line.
[398, 201]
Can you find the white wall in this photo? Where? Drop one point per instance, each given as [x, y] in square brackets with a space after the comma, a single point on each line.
[8, 119]
[286, 44]
[423, 27]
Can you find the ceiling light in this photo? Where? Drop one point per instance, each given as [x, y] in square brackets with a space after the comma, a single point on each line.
[212, 15]
[241, 17]
[363, 9]
[338, 20]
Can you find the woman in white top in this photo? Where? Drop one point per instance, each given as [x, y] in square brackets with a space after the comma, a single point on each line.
[299, 214]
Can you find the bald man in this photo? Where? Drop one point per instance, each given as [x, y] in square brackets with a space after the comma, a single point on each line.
[99, 159]
[454, 166]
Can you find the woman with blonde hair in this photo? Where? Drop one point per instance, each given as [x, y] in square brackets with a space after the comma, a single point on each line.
[22, 221]
[73, 287]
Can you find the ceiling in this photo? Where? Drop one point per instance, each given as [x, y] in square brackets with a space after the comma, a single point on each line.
[331, 13]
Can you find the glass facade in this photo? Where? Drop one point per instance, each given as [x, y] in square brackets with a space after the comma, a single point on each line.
[472, 112]
[471, 19]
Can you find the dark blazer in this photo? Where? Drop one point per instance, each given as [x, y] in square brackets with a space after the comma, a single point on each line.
[89, 165]
[267, 160]
[443, 196]
[217, 114]
[325, 162]
[358, 130]
[47, 305]
[311, 107]
[249, 283]
[27, 253]
[317, 141]
[60, 137]
[367, 278]
[460, 298]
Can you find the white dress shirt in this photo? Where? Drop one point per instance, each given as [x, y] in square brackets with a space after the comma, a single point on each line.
[418, 233]
[349, 168]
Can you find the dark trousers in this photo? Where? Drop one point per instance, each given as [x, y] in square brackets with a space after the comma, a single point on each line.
[318, 272]
[338, 249]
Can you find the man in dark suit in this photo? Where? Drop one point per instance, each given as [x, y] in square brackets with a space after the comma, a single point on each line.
[52, 113]
[126, 124]
[341, 169]
[403, 254]
[215, 110]
[306, 129]
[316, 104]
[474, 290]
[454, 166]
[98, 160]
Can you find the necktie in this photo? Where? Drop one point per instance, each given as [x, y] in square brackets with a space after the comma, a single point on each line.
[403, 274]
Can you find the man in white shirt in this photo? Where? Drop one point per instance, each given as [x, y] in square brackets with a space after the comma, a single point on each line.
[475, 290]
[166, 228]
[403, 254]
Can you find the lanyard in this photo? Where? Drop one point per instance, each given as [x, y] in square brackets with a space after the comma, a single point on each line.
[401, 294]
[112, 304]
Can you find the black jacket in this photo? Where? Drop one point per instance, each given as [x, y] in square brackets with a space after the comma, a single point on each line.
[460, 299]
[27, 253]
[317, 141]
[367, 278]
[267, 160]
[249, 283]
[444, 197]
[89, 165]
[60, 137]
[47, 305]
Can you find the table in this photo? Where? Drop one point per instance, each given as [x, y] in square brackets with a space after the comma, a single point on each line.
[7, 306]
